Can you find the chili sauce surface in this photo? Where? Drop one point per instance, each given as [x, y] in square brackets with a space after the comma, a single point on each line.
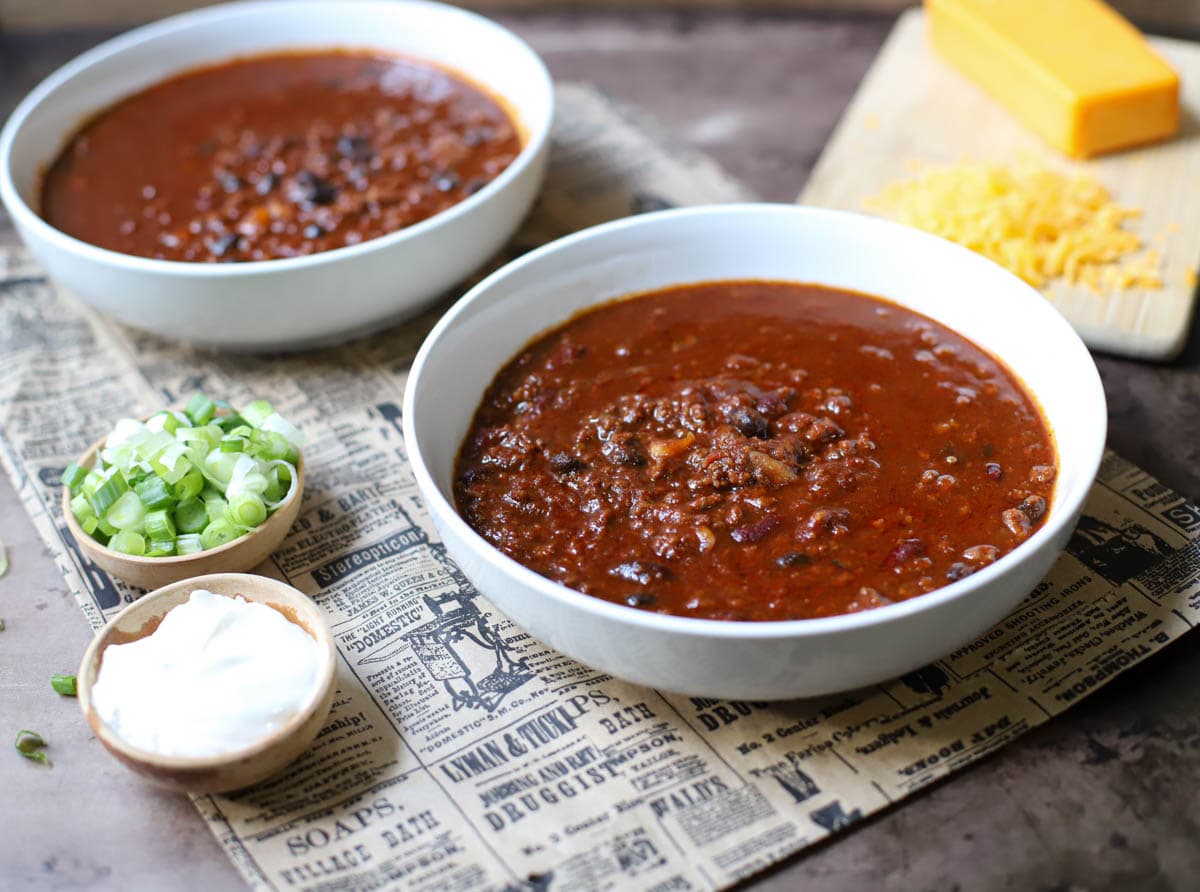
[755, 451]
[277, 156]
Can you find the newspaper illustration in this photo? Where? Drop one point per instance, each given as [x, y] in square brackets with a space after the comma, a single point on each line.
[461, 753]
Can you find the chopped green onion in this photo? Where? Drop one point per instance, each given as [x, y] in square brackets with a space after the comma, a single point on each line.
[218, 533]
[81, 508]
[160, 525]
[153, 445]
[73, 477]
[215, 507]
[63, 684]
[91, 483]
[257, 412]
[3, 558]
[128, 542]
[160, 547]
[271, 446]
[170, 422]
[230, 423]
[218, 467]
[189, 543]
[285, 475]
[246, 477]
[190, 485]
[32, 746]
[153, 492]
[190, 516]
[208, 434]
[195, 437]
[106, 495]
[234, 444]
[127, 513]
[248, 510]
[200, 409]
[276, 423]
[172, 463]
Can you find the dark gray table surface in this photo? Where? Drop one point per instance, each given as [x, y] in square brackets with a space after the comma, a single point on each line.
[1106, 797]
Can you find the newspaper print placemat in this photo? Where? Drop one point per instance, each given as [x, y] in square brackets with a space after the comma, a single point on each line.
[462, 754]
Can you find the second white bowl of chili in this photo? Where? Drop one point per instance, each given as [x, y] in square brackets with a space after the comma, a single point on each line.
[675, 503]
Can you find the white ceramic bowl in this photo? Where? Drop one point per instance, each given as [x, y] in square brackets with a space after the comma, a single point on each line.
[293, 302]
[770, 660]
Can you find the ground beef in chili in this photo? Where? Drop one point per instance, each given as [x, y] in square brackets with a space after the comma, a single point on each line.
[277, 156]
[755, 451]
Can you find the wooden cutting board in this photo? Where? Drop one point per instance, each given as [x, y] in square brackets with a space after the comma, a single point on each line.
[914, 107]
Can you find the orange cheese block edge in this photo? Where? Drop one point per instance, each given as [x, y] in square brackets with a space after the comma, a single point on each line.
[1073, 71]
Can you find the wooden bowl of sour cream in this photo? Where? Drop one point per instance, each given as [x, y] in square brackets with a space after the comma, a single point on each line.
[246, 764]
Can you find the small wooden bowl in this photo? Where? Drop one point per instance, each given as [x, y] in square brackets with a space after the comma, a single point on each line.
[240, 768]
[242, 554]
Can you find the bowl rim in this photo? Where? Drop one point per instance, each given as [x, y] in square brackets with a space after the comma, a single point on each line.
[24, 214]
[88, 458]
[321, 635]
[1064, 512]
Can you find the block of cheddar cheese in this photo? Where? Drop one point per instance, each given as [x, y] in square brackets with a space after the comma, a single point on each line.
[1073, 71]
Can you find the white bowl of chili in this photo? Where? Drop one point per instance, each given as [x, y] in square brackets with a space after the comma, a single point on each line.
[949, 285]
[346, 277]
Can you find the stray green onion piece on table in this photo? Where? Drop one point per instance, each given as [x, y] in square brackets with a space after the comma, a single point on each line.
[32, 746]
[184, 482]
[64, 684]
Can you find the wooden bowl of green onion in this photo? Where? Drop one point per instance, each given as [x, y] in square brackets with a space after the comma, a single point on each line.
[185, 492]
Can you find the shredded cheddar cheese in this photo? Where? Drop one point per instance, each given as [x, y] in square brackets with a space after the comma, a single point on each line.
[1039, 223]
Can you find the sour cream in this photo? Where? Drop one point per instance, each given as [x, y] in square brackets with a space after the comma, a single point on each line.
[217, 675]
